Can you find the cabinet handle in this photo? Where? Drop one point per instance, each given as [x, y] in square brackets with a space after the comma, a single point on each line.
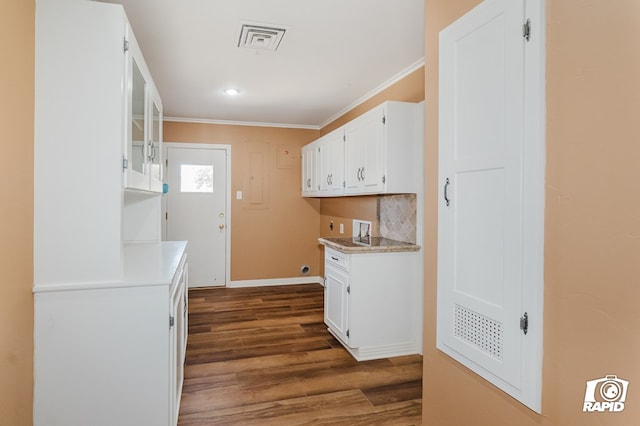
[152, 151]
[335, 258]
[446, 192]
[362, 172]
[358, 174]
[308, 182]
[328, 180]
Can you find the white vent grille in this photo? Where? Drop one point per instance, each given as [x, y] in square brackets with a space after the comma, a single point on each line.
[260, 37]
[478, 330]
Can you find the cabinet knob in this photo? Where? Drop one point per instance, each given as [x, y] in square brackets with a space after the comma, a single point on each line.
[221, 226]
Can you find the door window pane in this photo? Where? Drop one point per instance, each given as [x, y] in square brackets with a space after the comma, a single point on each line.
[196, 178]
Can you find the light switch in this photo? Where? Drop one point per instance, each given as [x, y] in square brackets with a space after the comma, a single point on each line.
[238, 195]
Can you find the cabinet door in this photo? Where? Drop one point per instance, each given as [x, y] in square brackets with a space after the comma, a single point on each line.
[143, 133]
[324, 164]
[178, 339]
[336, 306]
[331, 163]
[372, 139]
[353, 159]
[136, 125]
[309, 169]
[154, 146]
[364, 146]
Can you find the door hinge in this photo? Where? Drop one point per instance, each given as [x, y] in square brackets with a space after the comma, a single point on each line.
[125, 163]
[384, 179]
[347, 333]
[344, 138]
[524, 323]
[348, 289]
[172, 321]
[344, 183]
[526, 30]
[166, 162]
[384, 119]
[125, 46]
[166, 215]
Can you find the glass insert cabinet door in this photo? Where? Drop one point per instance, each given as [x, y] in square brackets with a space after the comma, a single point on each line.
[138, 125]
[155, 139]
[143, 144]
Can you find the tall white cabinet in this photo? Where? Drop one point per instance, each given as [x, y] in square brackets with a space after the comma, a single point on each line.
[109, 297]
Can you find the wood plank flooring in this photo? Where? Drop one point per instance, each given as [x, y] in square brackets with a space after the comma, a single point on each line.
[263, 356]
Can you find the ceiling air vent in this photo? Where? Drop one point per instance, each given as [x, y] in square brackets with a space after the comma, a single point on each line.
[260, 37]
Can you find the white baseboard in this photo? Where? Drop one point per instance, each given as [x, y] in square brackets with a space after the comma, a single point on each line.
[276, 281]
[379, 352]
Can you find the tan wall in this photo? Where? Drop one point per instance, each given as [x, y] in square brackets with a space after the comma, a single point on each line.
[408, 89]
[592, 225]
[343, 211]
[17, 26]
[271, 239]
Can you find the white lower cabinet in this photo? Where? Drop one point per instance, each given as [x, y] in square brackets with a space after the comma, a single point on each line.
[113, 353]
[372, 302]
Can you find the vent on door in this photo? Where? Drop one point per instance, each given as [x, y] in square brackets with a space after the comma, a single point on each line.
[261, 37]
[480, 331]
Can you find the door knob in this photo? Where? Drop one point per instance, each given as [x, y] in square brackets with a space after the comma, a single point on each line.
[221, 226]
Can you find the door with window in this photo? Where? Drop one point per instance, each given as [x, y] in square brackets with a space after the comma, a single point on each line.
[196, 209]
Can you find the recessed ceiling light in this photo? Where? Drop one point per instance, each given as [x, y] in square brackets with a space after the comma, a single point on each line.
[231, 92]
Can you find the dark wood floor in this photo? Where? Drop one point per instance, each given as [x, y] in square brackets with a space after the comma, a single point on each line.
[263, 356]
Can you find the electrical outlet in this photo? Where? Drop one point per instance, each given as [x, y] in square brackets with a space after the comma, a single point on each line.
[342, 228]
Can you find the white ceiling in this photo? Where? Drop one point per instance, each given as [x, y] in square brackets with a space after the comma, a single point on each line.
[334, 54]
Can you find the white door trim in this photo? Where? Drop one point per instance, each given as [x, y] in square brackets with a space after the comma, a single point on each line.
[227, 149]
[534, 200]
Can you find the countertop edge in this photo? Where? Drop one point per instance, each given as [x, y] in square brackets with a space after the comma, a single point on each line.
[370, 249]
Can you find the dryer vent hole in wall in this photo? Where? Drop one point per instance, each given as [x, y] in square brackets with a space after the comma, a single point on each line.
[305, 269]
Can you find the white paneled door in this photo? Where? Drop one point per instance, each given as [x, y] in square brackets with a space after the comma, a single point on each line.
[196, 210]
[489, 216]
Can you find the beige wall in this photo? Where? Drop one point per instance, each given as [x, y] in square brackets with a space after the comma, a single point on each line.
[274, 238]
[408, 89]
[592, 221]
[17, 40]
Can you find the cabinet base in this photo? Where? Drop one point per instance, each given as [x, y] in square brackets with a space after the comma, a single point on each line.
[378, 352]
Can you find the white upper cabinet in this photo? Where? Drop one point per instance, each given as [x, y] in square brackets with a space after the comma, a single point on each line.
[382, 150]
[379, 152]
[143, 129]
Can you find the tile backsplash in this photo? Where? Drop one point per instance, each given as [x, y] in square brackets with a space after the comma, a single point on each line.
[398, 214]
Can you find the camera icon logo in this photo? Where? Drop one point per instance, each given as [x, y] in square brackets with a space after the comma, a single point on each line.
[605, 394]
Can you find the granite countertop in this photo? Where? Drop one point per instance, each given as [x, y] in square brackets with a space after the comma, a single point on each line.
[368, 245]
